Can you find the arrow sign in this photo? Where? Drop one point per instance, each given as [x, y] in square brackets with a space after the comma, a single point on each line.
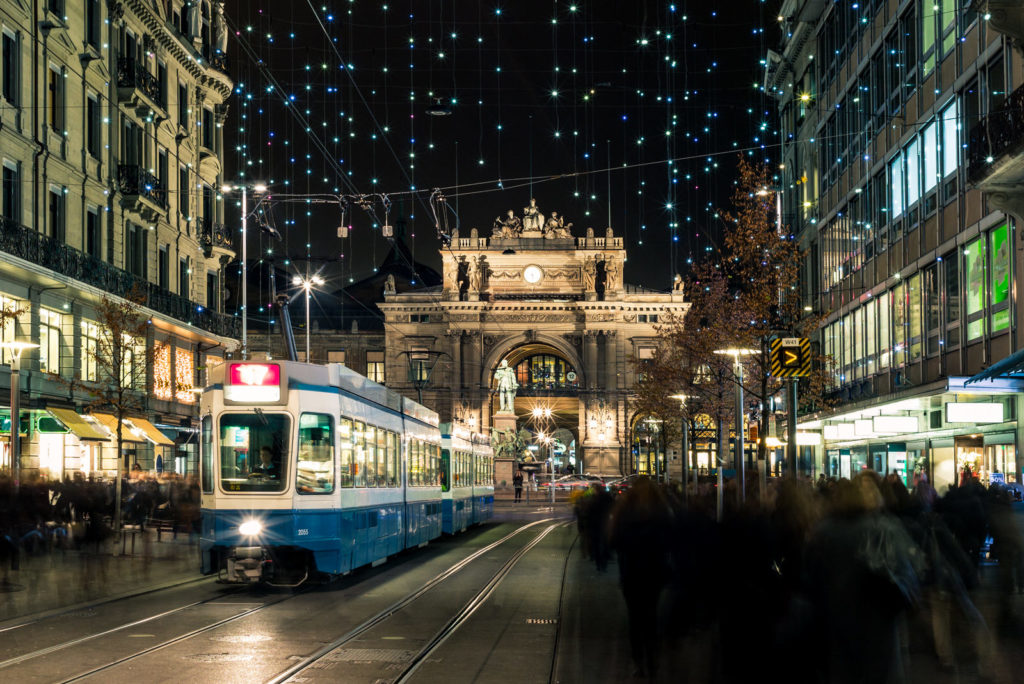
[790, 357]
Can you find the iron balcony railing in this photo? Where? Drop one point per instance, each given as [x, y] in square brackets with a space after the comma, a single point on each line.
[995, 135]
[135, 180]
[27, 244]
[215, 235]
[132, 74]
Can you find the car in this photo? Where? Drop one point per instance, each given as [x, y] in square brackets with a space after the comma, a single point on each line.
[570, 482]
[623, 483]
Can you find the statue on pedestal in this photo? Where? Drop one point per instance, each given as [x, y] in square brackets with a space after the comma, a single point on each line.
[505, 376]
[589, 274]
[556, 227]
[611, 275]
[508, 226]
[389, 284]
[220, 30]
[532, 218]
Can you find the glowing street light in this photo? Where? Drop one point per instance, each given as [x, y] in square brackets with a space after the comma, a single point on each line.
[16, 348]
[307, 284]
[737, 354]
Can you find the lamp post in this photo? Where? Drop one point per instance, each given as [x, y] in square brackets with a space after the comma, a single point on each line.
[16, 349]
[737, 354]
[259, 188]
[307, 284]
[685, 445]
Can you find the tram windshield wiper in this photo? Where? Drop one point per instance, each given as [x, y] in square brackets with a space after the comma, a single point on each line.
[259, 414]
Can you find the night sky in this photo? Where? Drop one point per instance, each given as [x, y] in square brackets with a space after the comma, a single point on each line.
[545, 98]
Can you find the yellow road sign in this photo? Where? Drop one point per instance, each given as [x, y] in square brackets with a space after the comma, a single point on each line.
[790, 357]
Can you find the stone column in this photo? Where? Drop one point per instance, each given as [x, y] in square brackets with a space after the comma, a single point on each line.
[455, 343]
[590, 358]
[611, 381]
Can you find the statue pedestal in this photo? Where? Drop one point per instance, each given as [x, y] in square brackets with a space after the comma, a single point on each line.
[504, 420]
[531, 234]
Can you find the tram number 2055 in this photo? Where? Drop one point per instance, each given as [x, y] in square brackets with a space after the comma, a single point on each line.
[303, 533]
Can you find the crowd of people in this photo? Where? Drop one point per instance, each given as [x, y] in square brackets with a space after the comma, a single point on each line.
[78, 512]
[834, 581]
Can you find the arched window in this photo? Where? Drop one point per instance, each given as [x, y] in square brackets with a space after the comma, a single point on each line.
[546, 372]
[648, 447]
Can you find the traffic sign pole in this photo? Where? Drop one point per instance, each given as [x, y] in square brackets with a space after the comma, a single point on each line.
[791, 430]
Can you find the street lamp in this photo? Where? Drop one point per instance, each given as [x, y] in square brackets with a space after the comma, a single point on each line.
[737, 354]
[258, 188]
[16, 348]
[307, 284]
[685, 445]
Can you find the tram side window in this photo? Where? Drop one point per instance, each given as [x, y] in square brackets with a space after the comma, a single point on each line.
[392, 467]
[315, 473]
[345, 474]
[382, 457]
[371, 455]
[435, 465]
[415, 462]
[254, 451]
[359, 455]
[206, 455]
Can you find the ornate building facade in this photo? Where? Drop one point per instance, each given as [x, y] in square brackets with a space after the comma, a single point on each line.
[111, 117]
[554, 308]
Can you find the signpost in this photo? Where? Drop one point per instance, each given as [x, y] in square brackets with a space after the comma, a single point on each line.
[790, 358]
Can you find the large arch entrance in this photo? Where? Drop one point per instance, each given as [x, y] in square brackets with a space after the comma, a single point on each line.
[546, 406]
[647, 447]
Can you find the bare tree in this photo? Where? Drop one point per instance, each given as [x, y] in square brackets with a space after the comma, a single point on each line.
[115, 377]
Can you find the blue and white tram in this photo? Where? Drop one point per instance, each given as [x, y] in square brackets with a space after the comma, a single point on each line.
[309, 469]
[483, 480]
[457, 478]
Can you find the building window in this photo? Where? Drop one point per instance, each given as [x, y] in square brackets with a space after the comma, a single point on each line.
[546, 372]
[212, 290]
[56, 213]
[647, 318]
[135, 259]
[49, 341]
[11, 67]
[56, 109]
[182, 104]
[163, 171]
[161, 81]
[93, 131]
[90, 345]
[976, 280]
[164, 267]
[184, 376]
[92, 233]
[92, 23]
[131, 152]
[56, 7]
[375, 366]
[1000, 277]
[184, 273]
[419, 318]
[208, 129]
[162, 371]
[951, 266]
[183, 191]
[12, 191]
[336, 357]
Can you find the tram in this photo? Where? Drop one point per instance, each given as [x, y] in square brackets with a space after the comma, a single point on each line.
[311, 470]
[467, 485]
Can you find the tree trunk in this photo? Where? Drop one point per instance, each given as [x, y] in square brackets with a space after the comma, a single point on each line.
[118, 485]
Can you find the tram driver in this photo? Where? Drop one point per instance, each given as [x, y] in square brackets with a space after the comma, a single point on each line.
[267, 468]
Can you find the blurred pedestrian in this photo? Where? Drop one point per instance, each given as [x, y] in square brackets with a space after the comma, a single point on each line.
[641, 527]
[517, 485]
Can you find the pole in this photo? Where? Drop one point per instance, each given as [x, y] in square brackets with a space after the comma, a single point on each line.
[306, 287]
[245, 269]
[719, 462]
[791, 430]
[16, 420]
[686, 456]
[778, 211]
[741, 472]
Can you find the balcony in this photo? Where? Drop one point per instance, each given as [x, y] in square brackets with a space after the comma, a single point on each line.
[142, 192]
[217, 239]
[54, 255]
[996, 148]
[139, 89]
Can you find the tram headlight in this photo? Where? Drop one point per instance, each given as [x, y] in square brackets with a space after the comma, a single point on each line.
[250, 528]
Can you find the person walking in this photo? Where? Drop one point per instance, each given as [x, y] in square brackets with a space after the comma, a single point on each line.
[517, 484]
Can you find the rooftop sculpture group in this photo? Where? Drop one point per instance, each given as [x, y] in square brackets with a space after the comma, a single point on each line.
[531, 225]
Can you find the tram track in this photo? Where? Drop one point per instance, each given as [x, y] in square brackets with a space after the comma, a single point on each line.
[213, 601]
[440, 637]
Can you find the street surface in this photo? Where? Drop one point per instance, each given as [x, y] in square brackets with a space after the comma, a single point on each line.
[511, 601]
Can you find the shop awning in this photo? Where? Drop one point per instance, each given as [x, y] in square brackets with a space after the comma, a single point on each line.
[110, 422]
[152, 433]
[78, 425]
[1010, 367]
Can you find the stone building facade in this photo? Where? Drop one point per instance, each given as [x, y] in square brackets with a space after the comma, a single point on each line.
[111, 116]
[553, 307]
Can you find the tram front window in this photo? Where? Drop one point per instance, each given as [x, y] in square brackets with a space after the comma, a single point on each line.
[254, 451]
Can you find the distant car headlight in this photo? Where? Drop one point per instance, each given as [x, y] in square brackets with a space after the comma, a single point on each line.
[250, 528]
